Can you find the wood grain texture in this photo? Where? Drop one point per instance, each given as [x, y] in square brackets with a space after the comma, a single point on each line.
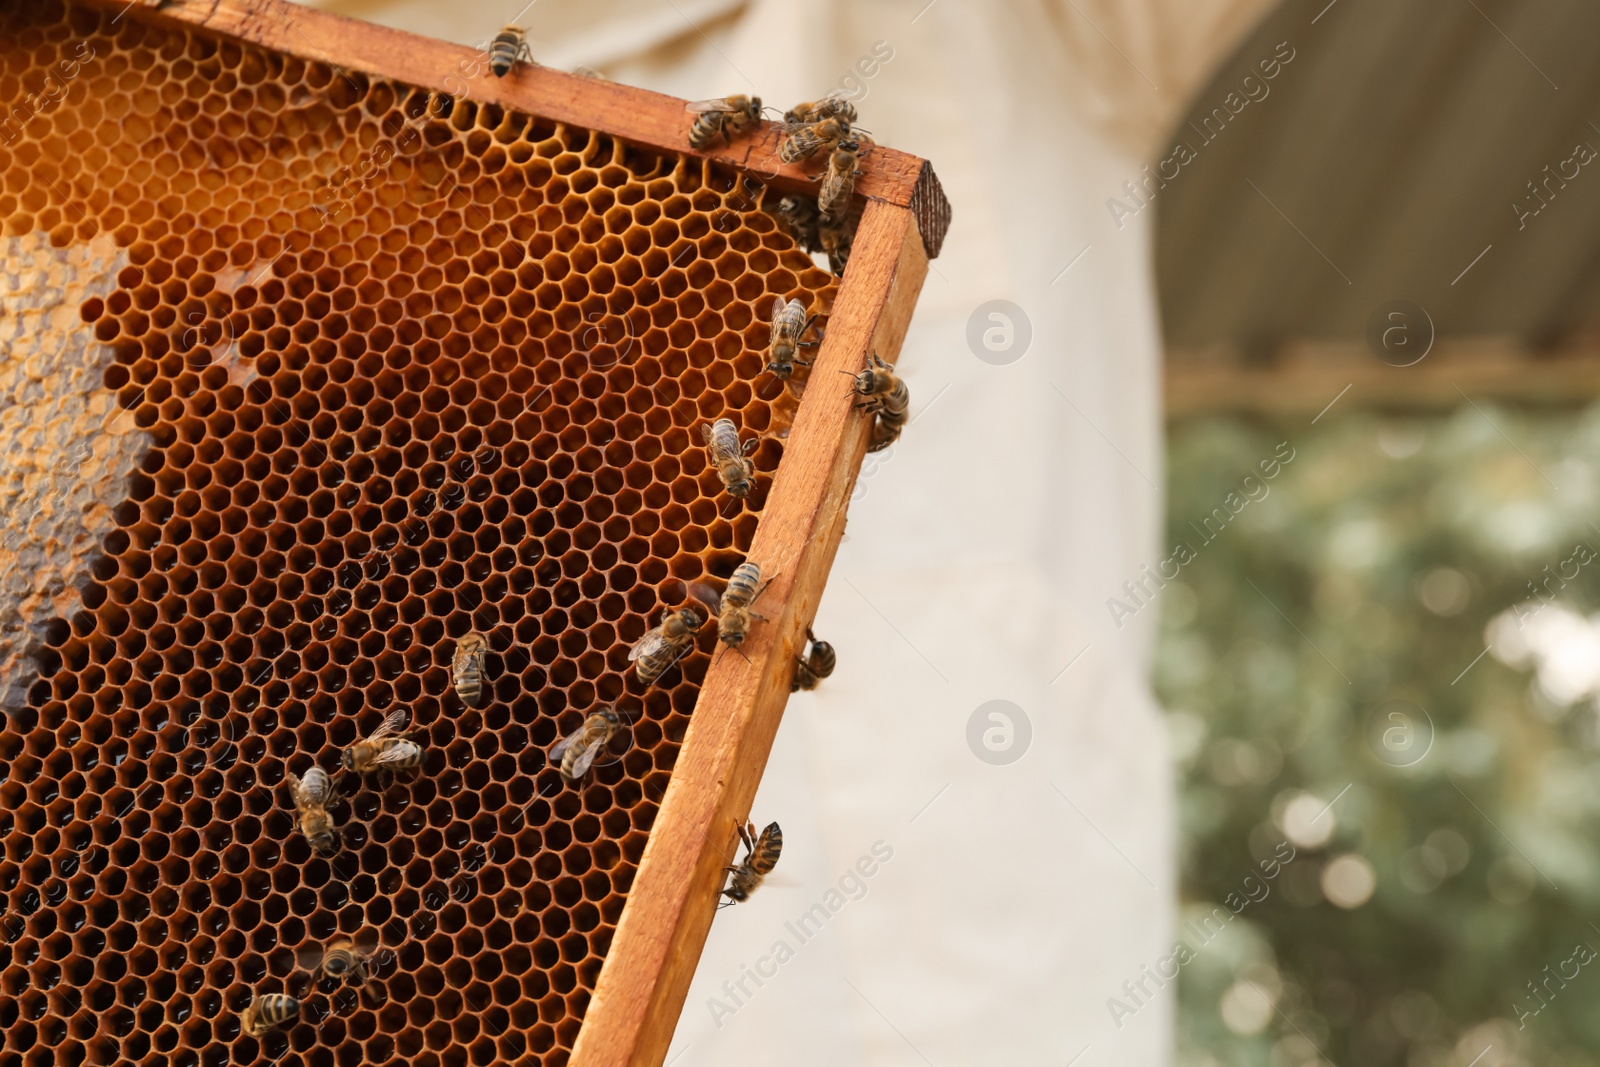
[635, 115]
[658, 941]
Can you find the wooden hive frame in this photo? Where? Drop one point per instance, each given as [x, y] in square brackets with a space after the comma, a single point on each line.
[663, 925]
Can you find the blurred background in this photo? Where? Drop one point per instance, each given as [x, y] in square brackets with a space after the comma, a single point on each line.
[1389, 263]
[1373, 237]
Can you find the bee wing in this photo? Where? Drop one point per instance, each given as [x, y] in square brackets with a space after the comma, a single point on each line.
[392, 722]
[648, 645]
[707, 596]
[780, 306]
[313, 788]
[781, 881]
[705, 433]
[833, 104]
[718, 104]
[396, 754]
[561, 746]
[790, 129]
[585, 760]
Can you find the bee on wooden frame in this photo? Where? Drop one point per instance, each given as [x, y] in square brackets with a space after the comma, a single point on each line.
[814, 666]
[732, 607]
[882, 436]
[885, 395]
[761, 855]
[839, 183]
[509, 46]
[466, 667]
[267, 1012]
[663, 646]
[836, 105]
[576, 752]
[802, 140]
[388, 748]
[311, 796]
[724, 117]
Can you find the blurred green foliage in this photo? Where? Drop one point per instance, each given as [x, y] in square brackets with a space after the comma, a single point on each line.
[1368, 574]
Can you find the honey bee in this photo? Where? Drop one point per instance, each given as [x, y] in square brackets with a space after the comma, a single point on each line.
[882, 436]
[802, 140]
[662, 646]
[887, 397]
[837, 238]
[761, 855]
[577, 751]
[839, 184]
[467, 667]
[836, 105]
[800, 215]
[810, 670]
[311, 795]
[725, 116]
[508, 46]
[789, 324]
[733, 606]
[731, 458]
[386, 749]
[267, 1012]
[342, 960]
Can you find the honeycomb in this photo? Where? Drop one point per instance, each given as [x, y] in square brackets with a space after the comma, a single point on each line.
[65, 446]
[402, 366]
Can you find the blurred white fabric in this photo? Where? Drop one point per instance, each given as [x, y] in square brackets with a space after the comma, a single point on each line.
[1015, 899]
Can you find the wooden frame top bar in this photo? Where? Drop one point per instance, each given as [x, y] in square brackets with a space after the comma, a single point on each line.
[636, 115]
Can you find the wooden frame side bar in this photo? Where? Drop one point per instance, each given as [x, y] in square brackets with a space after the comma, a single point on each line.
[652, 958]
[637, 115]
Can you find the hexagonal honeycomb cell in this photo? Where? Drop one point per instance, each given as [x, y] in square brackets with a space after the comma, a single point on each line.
[408, 367]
